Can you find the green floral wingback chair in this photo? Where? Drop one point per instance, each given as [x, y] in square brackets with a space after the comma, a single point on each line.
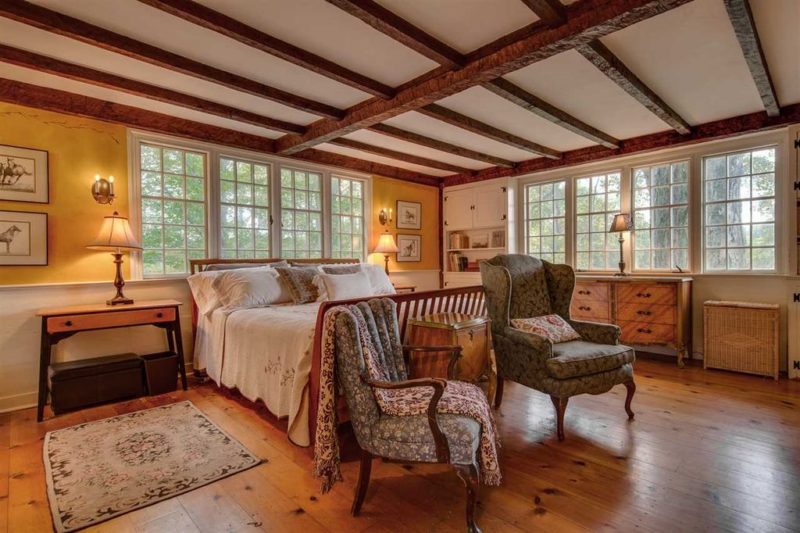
[520, 286]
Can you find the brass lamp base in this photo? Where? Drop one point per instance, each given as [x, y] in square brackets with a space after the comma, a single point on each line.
[120, 298]
[621, 260]
[386, 263]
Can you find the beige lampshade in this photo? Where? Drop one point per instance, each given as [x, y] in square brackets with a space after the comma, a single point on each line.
[115, 234]
[386, 245]
[621, 222]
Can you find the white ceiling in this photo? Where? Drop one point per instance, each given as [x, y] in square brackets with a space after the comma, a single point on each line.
[689, 56]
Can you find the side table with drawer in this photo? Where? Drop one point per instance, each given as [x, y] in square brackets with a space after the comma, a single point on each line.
[471, 332]
[61, 323]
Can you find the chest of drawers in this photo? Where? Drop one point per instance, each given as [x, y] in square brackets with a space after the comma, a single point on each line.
[650, 311]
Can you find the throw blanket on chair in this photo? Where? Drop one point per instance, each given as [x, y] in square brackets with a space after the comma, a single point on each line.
[459, 398]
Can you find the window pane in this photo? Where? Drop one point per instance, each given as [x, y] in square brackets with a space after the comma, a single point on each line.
[602, 192]
[172, 183]
[739, 211]
[347, 222]
[545, 208]
[297, 240]
[244, 184]
[661, 235]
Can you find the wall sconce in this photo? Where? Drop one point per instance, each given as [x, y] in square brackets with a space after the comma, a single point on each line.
[103, 189]
[385, 216]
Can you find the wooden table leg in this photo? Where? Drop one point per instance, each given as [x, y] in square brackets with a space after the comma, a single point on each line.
[44, 364]
[176, 330]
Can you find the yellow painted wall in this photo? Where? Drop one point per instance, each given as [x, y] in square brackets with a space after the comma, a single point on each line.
[385, 193]
[78, 149]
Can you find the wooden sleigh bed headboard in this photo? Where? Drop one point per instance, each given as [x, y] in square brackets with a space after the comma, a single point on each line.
[468, 300]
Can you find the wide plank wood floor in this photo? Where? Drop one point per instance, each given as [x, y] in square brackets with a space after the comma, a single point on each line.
[708, 451]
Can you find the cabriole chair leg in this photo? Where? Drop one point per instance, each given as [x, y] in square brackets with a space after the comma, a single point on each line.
[498, 395]
[469, 475]
[631, 386]
[363, 482]
[561, 406]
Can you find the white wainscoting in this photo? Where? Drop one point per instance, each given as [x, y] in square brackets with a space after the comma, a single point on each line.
[20, 328]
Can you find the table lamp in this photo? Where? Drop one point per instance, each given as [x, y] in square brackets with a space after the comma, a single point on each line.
[621, 224]
[116, 235]
[386, 246]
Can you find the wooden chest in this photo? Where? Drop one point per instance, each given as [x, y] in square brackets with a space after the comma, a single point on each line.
[472, 333]
[650, 311]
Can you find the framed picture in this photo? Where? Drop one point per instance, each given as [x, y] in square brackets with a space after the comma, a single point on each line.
[498, 239]
[23, 238]
[481, 240]
[409, 215]
[409, 247]
[23, 175]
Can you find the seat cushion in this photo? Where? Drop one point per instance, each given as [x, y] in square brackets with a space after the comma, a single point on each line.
[409, 438]
[580, 358]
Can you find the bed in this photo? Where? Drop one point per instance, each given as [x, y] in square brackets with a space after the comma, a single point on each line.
[272, 354]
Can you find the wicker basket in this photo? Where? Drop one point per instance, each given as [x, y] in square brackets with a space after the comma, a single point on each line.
[742, 336]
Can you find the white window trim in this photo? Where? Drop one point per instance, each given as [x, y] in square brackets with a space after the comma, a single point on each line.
[785, 231]
[213, 153]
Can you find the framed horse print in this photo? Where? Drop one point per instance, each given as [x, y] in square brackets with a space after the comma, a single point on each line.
[408, 215]
[23, 238]
[409, 248]
[23, 175]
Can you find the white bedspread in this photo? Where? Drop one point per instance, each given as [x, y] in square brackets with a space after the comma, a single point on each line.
[265, 353]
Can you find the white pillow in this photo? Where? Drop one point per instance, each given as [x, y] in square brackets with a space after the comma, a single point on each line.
[346, 286]
[205, 297]
[250, 287]
[378, 279]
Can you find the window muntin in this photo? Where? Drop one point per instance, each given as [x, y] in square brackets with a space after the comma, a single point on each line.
[348, 231]
[661, 216]
[545, 221]
[597, 200]
[245, 215]
[173, 208]
[301, 214]
[739, 211]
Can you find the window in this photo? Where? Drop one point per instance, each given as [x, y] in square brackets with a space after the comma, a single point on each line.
[173, 210]
[245, 216]
[301, 214]
[739, 211]
[545, 221]
[661, 216]
[597, 200]
[347, 218]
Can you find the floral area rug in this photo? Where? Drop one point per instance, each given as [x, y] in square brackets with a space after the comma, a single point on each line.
[106, 468]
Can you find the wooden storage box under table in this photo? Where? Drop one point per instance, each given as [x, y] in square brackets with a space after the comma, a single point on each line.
[650, 310]
[471, 332]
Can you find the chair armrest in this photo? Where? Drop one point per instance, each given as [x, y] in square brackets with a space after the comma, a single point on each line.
[455, 355]
[597, 332]
[542, 348]
[438, 385]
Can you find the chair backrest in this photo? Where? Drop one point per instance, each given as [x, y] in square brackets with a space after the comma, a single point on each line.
[521, 286]
[381, 318]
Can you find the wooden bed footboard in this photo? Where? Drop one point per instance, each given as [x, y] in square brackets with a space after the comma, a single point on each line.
[468, 300]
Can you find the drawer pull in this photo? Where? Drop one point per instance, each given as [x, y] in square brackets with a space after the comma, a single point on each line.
[584, 292]
[585, 308]
[68, 323]
[645, 313]
[159, 315]
[644, 330]
[643, 295]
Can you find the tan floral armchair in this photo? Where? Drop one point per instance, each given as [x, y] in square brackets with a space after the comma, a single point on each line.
[520, 286]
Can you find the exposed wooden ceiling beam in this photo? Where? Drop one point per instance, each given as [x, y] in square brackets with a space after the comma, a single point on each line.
[401, 30]
[52, 21]
[26, 94]
[517, 95]
[551, 12]
[234, 29]
[610, 65]
[587, 20]
[719, 129]
[455, 118]
[400, 156]
[442, 146]
[40, 63]
[741, 16]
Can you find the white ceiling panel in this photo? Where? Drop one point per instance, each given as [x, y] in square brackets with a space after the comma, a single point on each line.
[72, 51]
[184, 38]
[384, 141]
[463, 24]
[569, 82]
[481, 104]
[436, 129]
[690, 57]
[46, 80]
[778, 23]
[325, 147]
[327, 31]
